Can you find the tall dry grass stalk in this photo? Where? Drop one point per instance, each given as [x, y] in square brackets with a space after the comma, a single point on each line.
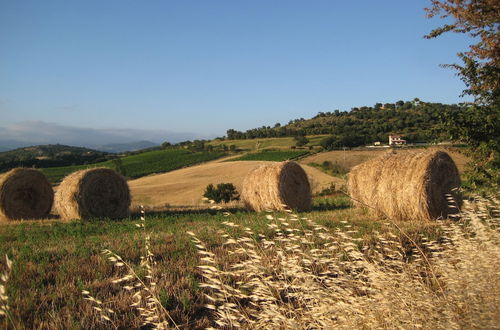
[142, 288]
[306, 276]
[4, 298]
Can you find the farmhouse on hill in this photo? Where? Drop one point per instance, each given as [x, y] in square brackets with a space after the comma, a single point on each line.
[396, 140]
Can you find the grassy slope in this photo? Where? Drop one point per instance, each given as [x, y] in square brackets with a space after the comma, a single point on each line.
[54, 261]
[141, 164]
[266, 143]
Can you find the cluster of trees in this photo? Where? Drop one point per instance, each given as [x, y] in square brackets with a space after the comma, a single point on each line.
[417, 121]
[199, 145]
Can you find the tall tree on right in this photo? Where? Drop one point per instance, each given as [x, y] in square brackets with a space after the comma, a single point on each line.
[476, 124]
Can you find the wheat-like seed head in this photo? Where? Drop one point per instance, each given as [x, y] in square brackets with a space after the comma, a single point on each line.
[313, 277]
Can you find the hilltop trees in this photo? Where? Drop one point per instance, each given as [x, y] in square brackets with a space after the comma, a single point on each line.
[478, 124]
[414, 119]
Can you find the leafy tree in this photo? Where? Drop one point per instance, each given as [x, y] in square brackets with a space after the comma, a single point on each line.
[478, 124]
[197, 145]
[118, 166]
[224, 192]
[479, 19]
[301, 140]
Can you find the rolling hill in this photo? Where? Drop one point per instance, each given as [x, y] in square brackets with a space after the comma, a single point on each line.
[418, 121]
[49, 155]
[141, 164]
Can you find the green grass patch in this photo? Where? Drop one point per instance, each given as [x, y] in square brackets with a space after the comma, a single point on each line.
[334, 202]
[272, 155]
[333, 169]
[54, 260]
[146, 163]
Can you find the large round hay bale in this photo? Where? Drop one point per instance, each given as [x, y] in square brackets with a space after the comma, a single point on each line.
[277, 186]
[25, 193]
[93, 193]
[407, 185]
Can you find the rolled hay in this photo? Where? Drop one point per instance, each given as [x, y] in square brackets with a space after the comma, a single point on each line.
[407, 185]
[25, 193]
[93, 193]
[277, 186]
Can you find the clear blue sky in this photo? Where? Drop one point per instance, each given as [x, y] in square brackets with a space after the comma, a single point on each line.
[206, 66]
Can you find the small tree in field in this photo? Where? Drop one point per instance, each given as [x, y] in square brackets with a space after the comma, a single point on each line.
[300, 140]
[224, 192]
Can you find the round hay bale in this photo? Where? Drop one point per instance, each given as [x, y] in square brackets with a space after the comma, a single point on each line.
[93, 193]
[277, 186]
[408, 185]
[25, 193]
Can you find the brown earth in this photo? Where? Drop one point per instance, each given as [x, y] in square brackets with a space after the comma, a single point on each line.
[185, 187]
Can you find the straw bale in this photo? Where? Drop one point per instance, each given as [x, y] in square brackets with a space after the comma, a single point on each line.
[277, 186]
[25, 193]
[407, 185]
[93, 193]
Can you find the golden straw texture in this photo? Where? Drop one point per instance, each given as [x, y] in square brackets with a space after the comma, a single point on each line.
[407, 185]
[93, 193]
[277, 186]
[25, 194]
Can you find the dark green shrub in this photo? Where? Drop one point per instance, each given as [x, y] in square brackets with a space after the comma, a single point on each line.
[224, 192]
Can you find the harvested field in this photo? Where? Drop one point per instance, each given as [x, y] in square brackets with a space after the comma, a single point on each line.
[185, 187]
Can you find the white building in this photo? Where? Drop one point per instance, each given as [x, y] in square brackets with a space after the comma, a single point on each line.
[396, 140]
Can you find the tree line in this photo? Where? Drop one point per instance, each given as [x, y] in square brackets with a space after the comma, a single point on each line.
[418, 121]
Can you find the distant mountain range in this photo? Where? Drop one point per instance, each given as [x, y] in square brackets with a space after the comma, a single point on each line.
[9, 145]
[30, 133]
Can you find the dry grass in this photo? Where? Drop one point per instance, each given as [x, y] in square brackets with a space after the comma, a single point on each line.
[306, 276]
[4, 299]
[144, 290]
[336, 269]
